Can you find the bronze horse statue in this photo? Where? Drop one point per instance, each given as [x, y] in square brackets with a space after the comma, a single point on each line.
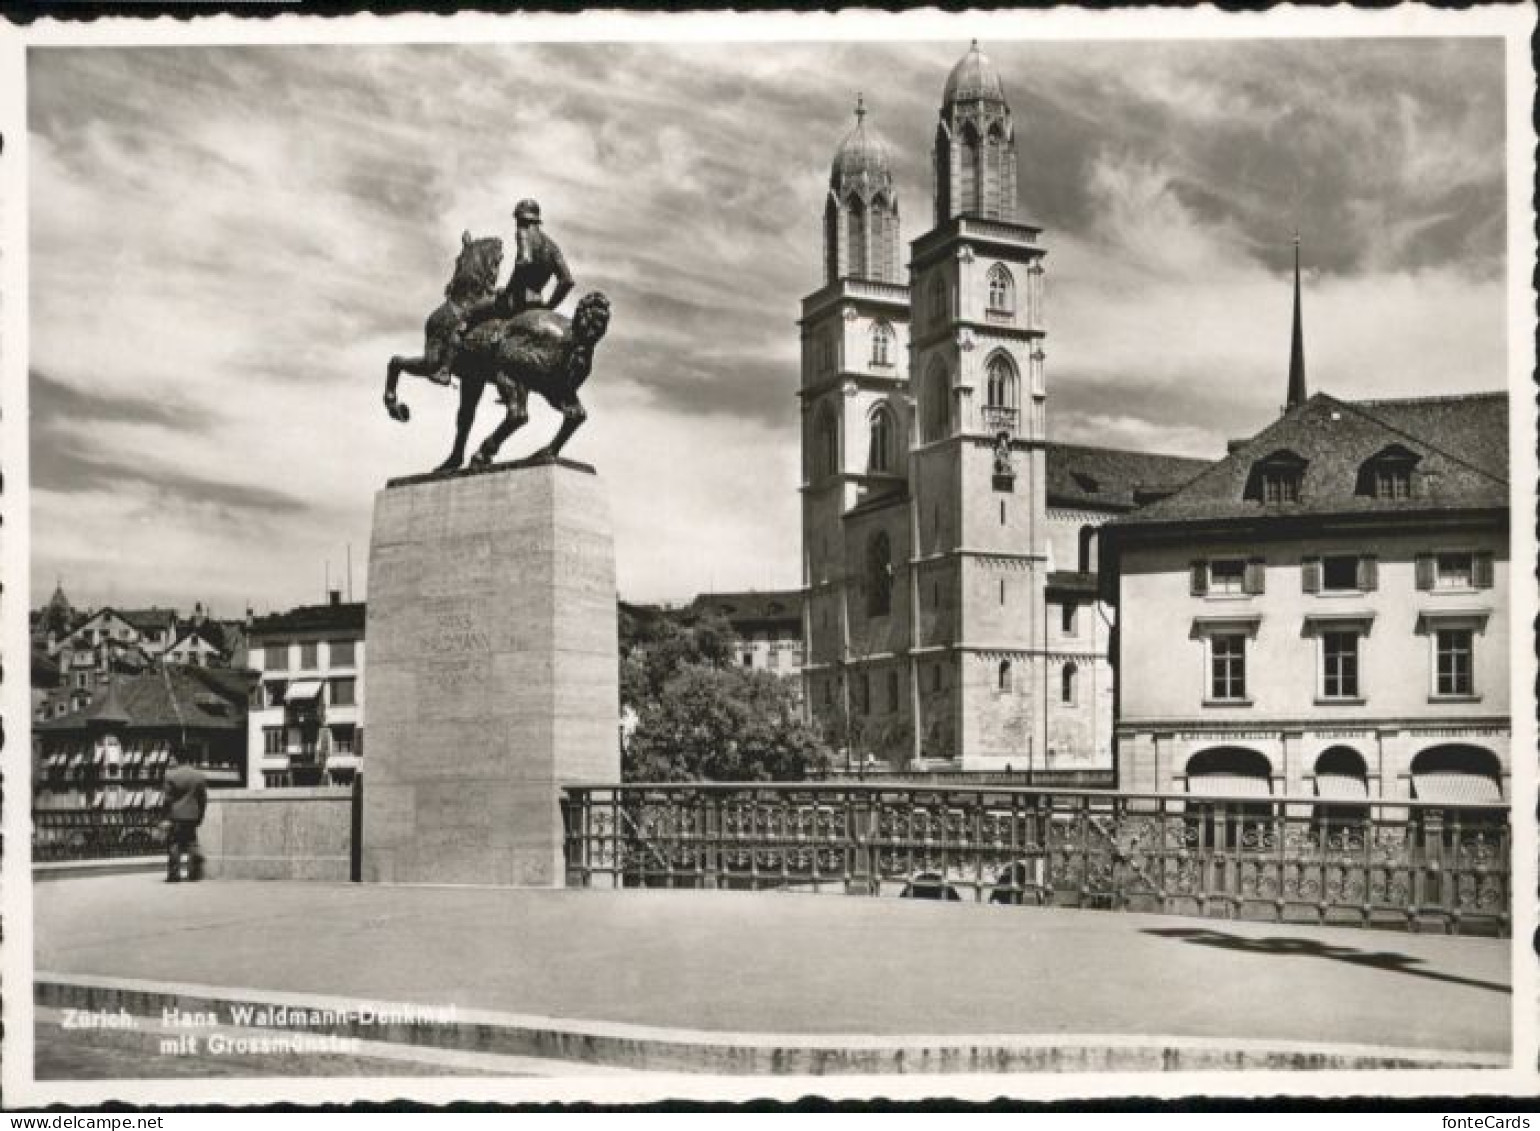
[533, 349]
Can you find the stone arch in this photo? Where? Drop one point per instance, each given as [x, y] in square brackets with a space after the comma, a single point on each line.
[1248, 769]
[1342, 775]
[1341, 760]
[1457, 772]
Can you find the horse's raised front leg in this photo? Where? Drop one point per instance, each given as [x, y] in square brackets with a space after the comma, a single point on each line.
[425, 366]
[470, 398]
[516, 397]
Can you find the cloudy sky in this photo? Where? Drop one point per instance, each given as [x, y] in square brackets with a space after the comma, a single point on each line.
[227, 244]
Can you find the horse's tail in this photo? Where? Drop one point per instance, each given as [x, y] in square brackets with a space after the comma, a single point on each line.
[589, 322]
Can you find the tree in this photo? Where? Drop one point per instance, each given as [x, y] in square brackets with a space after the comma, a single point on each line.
[723, 723]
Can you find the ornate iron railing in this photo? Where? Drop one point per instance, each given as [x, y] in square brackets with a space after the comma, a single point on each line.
[1394, 864]
[95, 834]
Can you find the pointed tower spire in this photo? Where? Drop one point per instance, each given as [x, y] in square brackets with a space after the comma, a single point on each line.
[1297, 349]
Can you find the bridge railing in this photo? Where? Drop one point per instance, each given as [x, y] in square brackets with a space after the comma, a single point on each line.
[1382, 863]
[95, 834]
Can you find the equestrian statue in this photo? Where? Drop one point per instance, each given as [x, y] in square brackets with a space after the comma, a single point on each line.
[512, 338]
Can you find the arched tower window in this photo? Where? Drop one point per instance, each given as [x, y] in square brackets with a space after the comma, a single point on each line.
[1068, 677]
[882, 344]
[1002, 290]
[881, 451]
[992, 176]
[826, 443]
[968, 172]
[936, 403]
[855, 226]
[1003, 676]
[1000, 394]
[879, 575]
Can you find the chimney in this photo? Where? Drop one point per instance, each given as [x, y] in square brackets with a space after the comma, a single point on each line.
[336, 596]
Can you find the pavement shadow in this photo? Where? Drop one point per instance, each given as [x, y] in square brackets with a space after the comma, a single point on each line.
[1312, 948]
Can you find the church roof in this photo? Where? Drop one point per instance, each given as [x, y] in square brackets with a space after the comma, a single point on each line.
[862, 152]
[1457, 445]
[974, 77]
[1111, 478]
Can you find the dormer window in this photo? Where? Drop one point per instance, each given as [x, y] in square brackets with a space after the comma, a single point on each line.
[1388, 473]
[1276, 478]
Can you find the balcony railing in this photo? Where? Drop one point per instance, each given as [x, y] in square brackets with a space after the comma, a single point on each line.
[1386, 864]
[95, 834]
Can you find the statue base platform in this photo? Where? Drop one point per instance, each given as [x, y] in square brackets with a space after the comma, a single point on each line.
[491, 671]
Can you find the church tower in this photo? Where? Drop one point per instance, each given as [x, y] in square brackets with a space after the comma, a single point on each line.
[855, 429]
[975, 152]
[977, 469]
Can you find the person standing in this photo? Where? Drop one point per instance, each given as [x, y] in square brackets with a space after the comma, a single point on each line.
[187, 796]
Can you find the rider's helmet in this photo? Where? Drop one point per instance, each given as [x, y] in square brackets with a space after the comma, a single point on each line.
[527, 210]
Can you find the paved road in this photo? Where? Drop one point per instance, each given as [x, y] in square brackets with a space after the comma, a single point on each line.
[768, 963]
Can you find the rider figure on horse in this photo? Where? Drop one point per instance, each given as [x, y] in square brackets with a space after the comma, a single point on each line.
[536, 262]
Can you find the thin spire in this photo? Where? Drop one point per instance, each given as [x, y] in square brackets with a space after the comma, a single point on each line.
[1297, 392]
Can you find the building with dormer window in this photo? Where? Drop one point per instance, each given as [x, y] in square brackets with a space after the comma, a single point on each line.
[1325, 611]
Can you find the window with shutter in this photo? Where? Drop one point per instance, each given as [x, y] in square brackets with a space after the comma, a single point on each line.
[1368, 573]
[1256, 576]
[1424, 571]
[1310, 575]
[1483, 571]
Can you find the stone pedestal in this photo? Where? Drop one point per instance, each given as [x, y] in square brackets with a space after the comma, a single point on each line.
[491, 671]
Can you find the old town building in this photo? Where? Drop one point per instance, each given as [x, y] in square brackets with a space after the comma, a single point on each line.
[951, 615]
[112, 753]
[306, 723]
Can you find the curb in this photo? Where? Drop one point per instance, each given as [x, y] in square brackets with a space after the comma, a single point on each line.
[110, 866]
[733, 1054]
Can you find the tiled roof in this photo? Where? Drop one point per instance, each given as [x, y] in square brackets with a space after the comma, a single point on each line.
[167, 696]
[341, 617]
[1461, 469]
[754, 607]
[153, 619]
[1473, 427]
[1113, 479]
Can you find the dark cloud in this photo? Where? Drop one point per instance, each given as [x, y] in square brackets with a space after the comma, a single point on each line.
[53, 400]
[64, 458]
